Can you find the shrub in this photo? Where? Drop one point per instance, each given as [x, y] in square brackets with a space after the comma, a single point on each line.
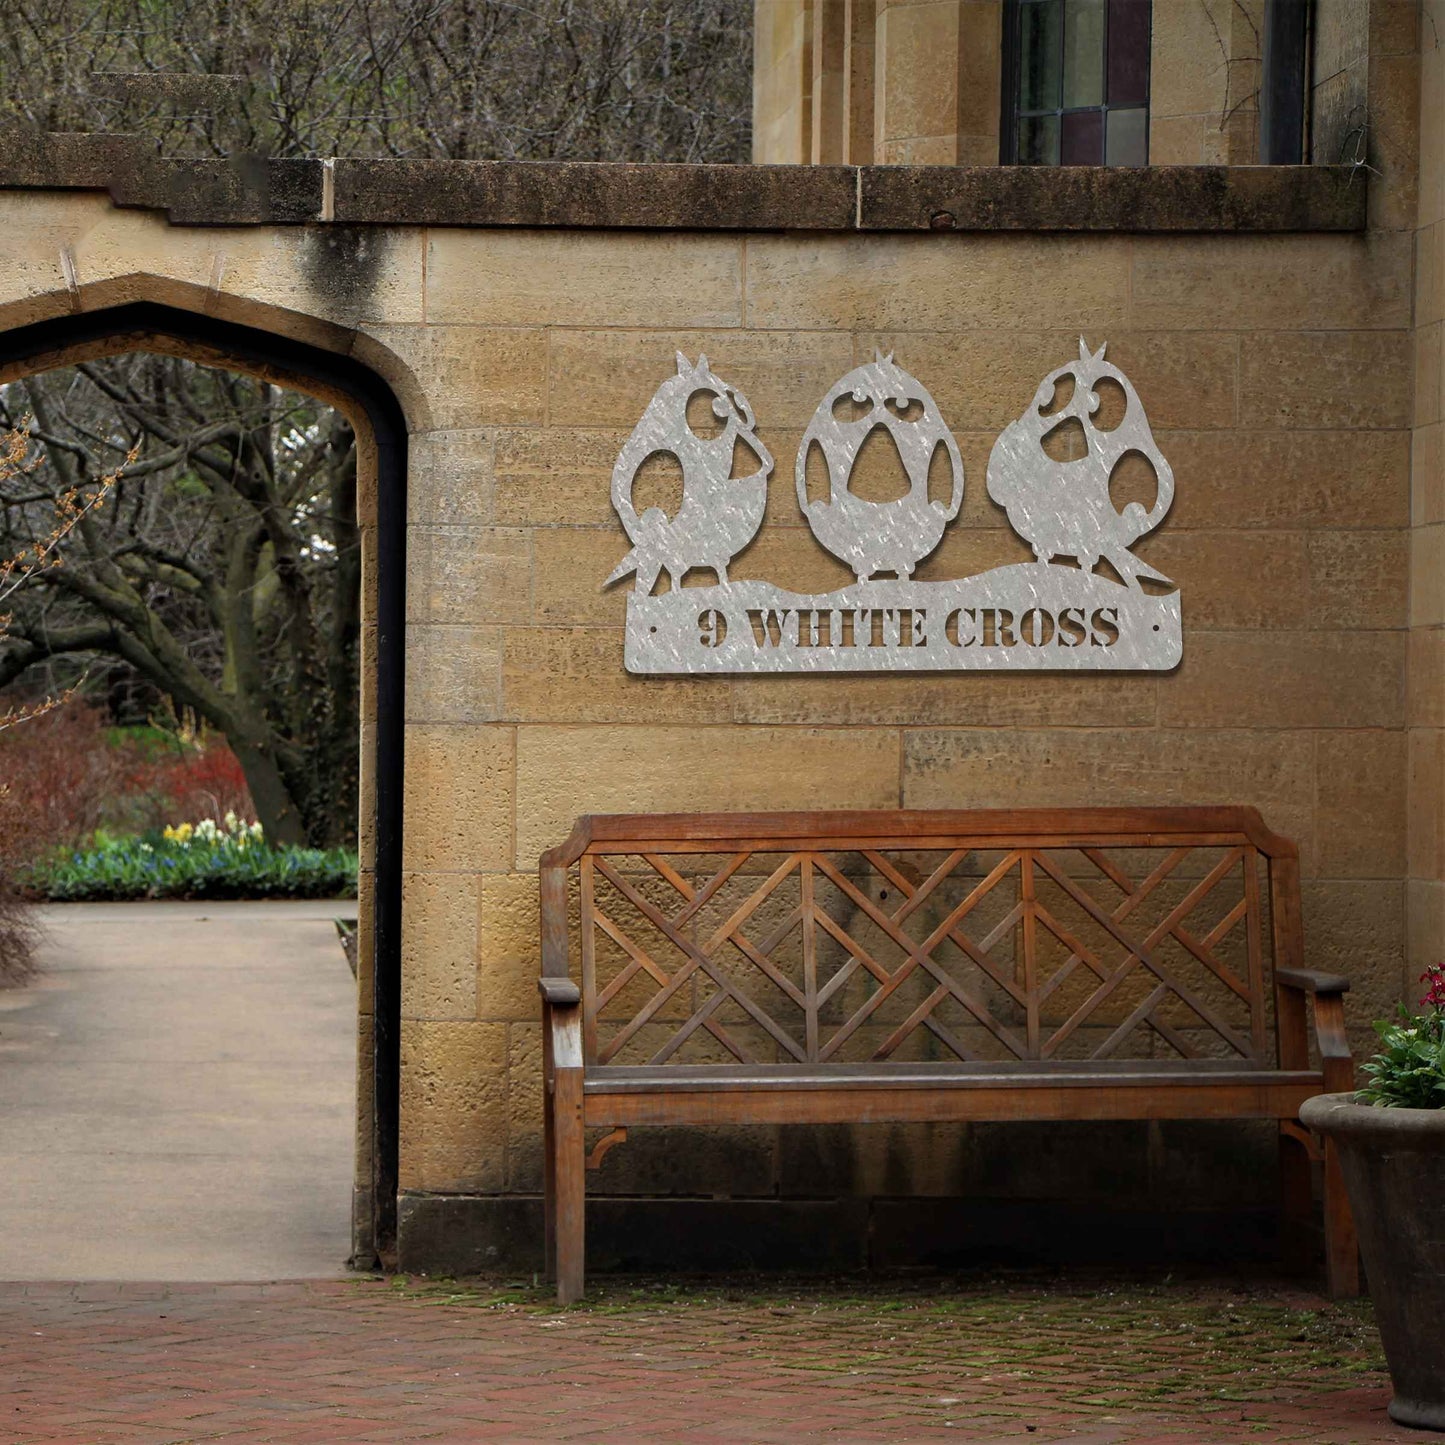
[69, 774]
[58, 773]
[17, 920]
[18, 933]
[169, 777]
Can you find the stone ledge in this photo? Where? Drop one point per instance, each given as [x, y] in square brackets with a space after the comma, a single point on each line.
[596, 194]
[1098, 198]
[251, 190]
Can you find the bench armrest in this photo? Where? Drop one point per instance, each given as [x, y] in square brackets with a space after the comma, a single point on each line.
[1311, 980]
[1326, 992]
[559, 992]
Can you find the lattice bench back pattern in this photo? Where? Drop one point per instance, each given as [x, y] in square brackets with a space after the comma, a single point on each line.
[1095, 963]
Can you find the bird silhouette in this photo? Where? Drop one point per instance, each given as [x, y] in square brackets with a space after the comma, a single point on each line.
[1064, 508]
[720, 513]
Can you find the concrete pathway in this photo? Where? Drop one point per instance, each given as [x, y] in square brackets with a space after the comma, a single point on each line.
[1093, 1362]
[176, 1095]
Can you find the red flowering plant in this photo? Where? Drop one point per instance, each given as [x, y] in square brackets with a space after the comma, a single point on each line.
[1409, 1070]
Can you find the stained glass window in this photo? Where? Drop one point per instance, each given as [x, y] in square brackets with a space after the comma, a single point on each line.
[1078, 91]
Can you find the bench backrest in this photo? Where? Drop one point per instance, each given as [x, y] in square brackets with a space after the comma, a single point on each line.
[845, 937]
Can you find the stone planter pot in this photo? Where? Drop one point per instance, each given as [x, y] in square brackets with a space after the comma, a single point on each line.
[1394, 1167]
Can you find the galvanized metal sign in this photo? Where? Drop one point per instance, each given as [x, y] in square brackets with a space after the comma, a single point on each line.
[1101, 610]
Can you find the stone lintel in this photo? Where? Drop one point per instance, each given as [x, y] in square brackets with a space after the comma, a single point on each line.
[254, 190]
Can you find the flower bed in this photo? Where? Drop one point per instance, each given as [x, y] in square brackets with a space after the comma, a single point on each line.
[201, 860]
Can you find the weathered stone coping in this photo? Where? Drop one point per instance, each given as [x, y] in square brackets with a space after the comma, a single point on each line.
[250, 190]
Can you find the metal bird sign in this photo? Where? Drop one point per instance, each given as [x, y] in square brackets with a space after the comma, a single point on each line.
[1085, 603]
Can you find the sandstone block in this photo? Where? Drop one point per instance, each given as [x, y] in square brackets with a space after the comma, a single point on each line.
[365, 938]
[451, 477]
[546, 670]
[1430, 274]
[571, 563]
[1426, 817]
[365, 1095]
[1394, 89]
[1295, 479]
[1358, 579]
[1326, 379]
[453, 1106]
[1361, 804]
[439, 946]
[1427, 474]
[1428, 373]
[601, 378]
[458, 813]
[561, 476]
[453, 674]
[508, 952]
[349, 275]
[1426, 681]
[1066, 767]
[468, 576]
[524, 1106]
[985, 379]
[1287, 680]
[1271, 283]
[1179, 83]
[913, 283]
[1357, 929]
[1235, 579]
[582, 278]
[366, 799]
[1015, 699]
[467, 377]
[1432, 123]
[563, 772]
[1427, 575]
[1424, 931]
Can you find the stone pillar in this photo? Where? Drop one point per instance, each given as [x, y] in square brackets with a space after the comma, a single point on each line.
[860, 62]
[1426, 714]
[829, 76]
[936, 82]
[782, 81]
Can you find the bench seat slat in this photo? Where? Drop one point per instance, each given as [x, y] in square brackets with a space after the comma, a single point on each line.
[1256, 1095]
[1086, 1073]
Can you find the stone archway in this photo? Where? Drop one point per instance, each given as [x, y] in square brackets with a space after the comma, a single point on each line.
[371, 406]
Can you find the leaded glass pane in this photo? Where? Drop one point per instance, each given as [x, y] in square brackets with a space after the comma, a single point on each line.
[1082, 139]
[1039, 140]
[1127, 138]
[1083, 53]
[1040, 45]
[1128, 52]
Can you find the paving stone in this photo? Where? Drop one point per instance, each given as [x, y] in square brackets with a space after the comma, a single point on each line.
[1090, 1360]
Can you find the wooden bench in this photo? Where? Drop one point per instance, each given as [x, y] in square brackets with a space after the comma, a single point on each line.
[848, 967]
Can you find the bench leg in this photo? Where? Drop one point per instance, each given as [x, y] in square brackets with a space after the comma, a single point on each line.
[1342, 1253]
[1296, 1205]
[549, 1175]
[567, 1185]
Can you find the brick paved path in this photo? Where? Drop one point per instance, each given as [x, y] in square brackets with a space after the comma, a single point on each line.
[370, 1360]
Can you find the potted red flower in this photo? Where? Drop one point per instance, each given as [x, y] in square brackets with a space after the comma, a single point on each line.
[1391, 1138]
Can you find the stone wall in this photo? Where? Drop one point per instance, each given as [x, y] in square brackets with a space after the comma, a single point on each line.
[1287, 375]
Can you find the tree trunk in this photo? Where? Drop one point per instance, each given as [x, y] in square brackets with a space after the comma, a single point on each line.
[276, 811]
